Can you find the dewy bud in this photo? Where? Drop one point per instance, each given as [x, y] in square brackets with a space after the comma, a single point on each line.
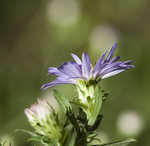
[44, 119]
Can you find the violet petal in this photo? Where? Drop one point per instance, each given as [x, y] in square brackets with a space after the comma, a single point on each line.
[110, 54]
[57, 82]
[76, 59]
[86, 66]
[98, 65]
[110, 74]
[114, 59]
[71, 69]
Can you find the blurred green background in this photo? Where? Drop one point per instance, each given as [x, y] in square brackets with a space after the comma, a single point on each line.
[37, 34]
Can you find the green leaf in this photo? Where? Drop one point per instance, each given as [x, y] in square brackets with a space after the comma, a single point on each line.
[119, 143]
[96, 106]
[63, 101]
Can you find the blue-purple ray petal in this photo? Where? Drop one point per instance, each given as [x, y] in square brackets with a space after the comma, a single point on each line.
[114, 69]
[128, 62]
[57, 82]
[71, 69]
[130, 66]
[76, 59]
[102, 73]
[110, 66]
[110, 54]
[116, 58]
[55, 71]
[110, 74]
[86, 66]
[98, 65]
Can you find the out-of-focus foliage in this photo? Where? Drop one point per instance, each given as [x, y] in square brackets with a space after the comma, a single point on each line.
[37, 34]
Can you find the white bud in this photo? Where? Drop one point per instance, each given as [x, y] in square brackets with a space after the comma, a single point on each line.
[42, 118]
[29, 114]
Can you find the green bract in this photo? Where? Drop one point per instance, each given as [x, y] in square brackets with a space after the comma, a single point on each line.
[90, 99]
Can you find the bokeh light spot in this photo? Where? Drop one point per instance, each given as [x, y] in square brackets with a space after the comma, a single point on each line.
[130, 123]
[64, 12]
[103, 36]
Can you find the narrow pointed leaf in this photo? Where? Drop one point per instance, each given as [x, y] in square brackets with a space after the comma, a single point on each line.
[119, 143]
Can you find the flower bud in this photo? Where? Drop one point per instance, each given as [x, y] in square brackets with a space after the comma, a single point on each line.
[44, 119]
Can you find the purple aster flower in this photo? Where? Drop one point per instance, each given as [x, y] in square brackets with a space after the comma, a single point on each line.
[70, 72]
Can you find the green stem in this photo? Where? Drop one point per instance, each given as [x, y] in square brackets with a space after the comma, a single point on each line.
[81, 140]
